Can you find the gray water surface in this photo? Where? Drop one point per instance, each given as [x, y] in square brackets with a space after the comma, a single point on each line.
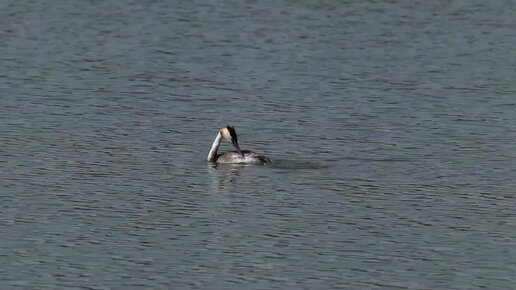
[391, 126]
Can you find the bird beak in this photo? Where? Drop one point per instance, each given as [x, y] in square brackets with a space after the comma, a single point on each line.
[235, 143]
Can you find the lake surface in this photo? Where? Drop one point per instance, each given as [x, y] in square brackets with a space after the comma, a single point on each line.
[391, 126]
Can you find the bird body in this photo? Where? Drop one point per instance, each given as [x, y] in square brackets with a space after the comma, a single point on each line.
[239, 156]
[247, 156]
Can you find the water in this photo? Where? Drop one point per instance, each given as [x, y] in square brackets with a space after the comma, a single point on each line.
[391, 126]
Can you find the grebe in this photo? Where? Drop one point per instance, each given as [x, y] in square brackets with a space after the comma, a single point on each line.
[238, 156]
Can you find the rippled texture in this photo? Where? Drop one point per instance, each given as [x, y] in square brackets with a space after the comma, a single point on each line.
[391, 125]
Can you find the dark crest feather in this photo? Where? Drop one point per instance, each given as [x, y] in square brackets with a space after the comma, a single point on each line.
[232, 132]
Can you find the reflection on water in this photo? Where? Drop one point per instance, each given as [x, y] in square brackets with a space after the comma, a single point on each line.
[223, 176]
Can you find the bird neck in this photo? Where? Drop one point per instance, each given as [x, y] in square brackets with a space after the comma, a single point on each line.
[212, 156]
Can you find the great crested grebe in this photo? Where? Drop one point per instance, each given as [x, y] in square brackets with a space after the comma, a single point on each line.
[238, 156]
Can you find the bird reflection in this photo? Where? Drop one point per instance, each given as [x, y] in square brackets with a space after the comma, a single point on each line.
[223, 176]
